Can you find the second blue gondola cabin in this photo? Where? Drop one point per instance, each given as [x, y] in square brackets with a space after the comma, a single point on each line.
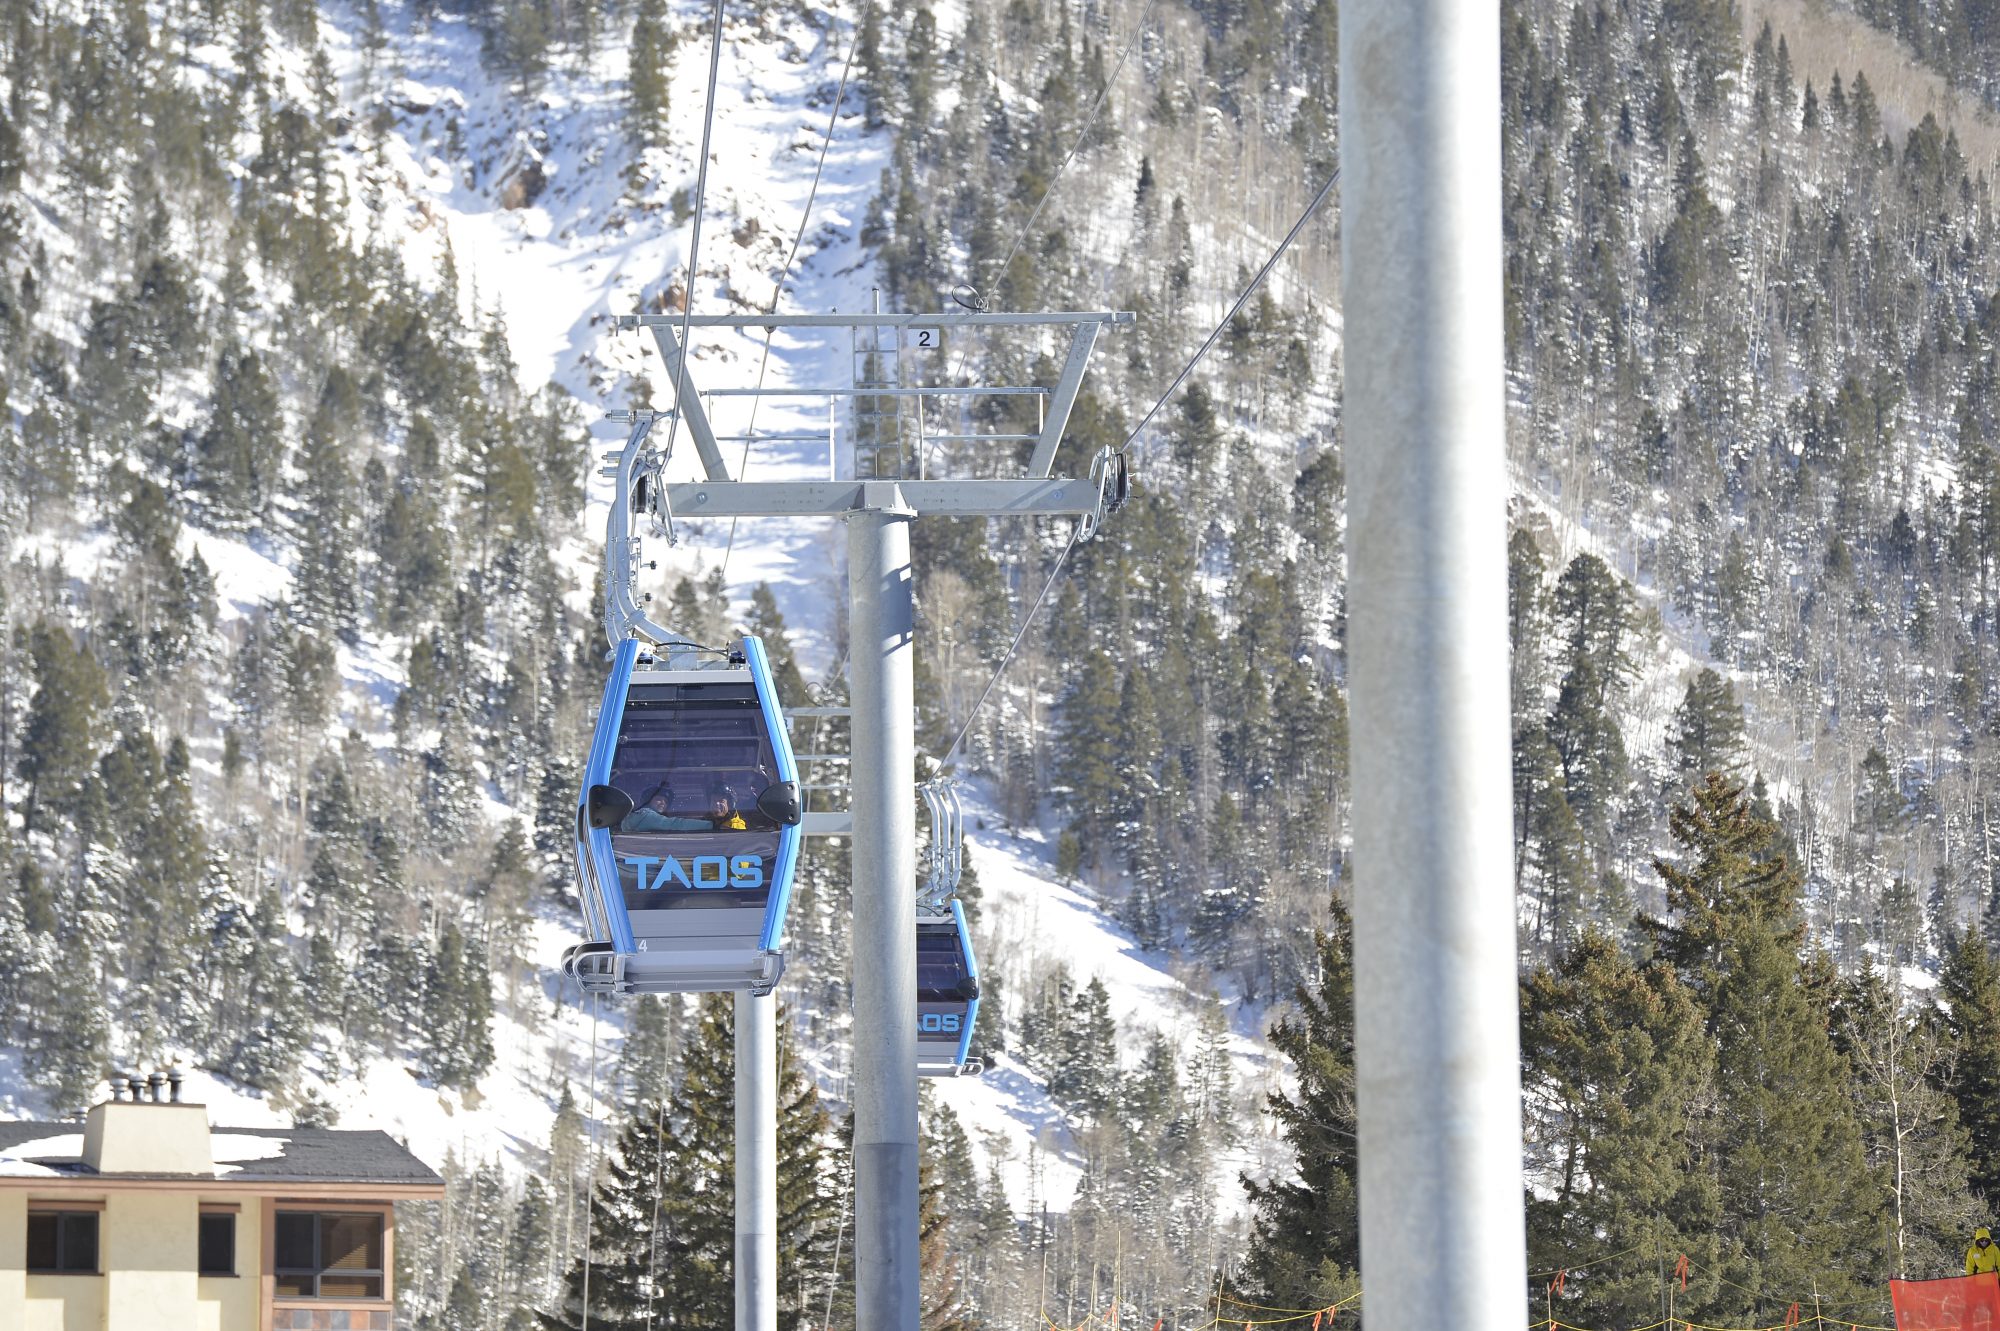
[947, 994]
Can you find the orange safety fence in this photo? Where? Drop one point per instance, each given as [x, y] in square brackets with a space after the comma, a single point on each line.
[1320, 1319]
[1819, 1322]
[1323, 1318]
[1955, 1304]
[1961, 1303]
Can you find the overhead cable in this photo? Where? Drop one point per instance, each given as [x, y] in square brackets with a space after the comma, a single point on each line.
[659, 1176]
[1179, 379]
[778, 291]
[1026, 624]
[979, 302]
[1089, 121]
[1237, 308]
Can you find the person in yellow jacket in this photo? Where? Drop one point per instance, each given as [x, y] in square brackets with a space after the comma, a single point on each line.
[1984, 1254]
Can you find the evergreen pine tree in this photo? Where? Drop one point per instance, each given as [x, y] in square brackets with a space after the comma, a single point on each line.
[59, 740]
[648, 1059]
[327, 600]
[1089, 747]
[1616, 1065]
[163, 862]
[267, 1054]
[569, 1188]
[236, 456]
[808, 1206]
[1706, 734]
[69, 1039]
[1799, 1201]
[632, 1250]
[451, 795]
[1593, 614]
[1732, 877]
[529, 1241]
[698, 1238]
[1305, 1232]
[1085, 1078]
[1970, 1015]
[768, 624]
[504, 892]
[458, 1008]
[555, 810]
[1527, 622]
[940, 1283]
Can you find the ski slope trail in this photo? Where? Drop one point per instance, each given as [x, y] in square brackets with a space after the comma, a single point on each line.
[555, 221]
[1032, 922]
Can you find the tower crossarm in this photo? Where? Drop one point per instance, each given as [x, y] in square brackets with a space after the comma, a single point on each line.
[1034, 497]
[922, 331]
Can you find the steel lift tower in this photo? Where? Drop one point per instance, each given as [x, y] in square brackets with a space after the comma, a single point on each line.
[898, 420]
[1436, 1003]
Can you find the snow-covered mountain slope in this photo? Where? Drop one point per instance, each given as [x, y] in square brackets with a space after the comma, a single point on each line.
[585, 245]
[581, 252]
[531, 201]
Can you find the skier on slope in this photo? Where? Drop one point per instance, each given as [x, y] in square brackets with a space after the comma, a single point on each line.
[1984, 1254]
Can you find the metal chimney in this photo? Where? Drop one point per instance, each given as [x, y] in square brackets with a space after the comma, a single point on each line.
[153, 1083]
[138, 1086]
[174, 1085]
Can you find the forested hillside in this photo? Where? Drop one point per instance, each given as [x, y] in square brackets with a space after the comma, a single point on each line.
[299, 644]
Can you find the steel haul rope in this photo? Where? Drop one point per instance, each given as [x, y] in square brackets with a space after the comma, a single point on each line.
[1179, 379]
[659, 1169]
[673, 428]
[1027, 623]
[778, 291]
[1237, 308]
[694, 243]
[839, 1233]
[1089, 121]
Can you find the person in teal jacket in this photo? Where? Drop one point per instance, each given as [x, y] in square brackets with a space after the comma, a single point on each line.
[652, 816]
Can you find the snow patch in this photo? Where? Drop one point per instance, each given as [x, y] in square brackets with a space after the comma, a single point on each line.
[20, 1161]
[246, 580]
[232, 1150]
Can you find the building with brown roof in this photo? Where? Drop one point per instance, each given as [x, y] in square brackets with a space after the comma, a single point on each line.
[148, 1217]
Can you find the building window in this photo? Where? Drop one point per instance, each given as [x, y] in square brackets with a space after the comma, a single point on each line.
[62, 1243]
[327, 1255]
[217, 1245]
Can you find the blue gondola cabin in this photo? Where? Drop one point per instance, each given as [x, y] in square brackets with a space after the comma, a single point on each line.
[687, 829]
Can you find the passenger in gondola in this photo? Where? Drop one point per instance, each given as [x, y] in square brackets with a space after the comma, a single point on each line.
[652, 816]
[722, 814]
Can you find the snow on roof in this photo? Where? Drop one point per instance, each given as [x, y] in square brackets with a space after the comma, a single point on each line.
[231, 1150]
[247, 1155]
[23, 1160]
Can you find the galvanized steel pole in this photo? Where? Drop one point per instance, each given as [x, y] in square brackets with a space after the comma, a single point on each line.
[756, 1162]
[881, 623]
[1436, 1007]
